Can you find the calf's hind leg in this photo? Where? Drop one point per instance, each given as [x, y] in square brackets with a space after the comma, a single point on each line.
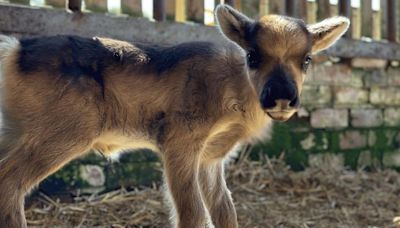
[24, 165]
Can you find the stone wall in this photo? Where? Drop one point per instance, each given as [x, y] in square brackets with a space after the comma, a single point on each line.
[351, 112]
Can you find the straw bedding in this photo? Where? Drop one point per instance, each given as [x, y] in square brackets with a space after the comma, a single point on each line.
[266, 194]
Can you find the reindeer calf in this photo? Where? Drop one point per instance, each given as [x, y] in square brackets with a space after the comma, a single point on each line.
[63, 96]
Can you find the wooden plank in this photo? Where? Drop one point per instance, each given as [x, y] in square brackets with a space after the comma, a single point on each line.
[180, 10]
[96, 5]
[75, 5]
[56, 3]
[195, 10]
[159, 12]
[323, 9]
[391, 20]
[366, 18]
[137, 29]
[132, 7]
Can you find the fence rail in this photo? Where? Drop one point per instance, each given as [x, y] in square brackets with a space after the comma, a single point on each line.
[377, 20]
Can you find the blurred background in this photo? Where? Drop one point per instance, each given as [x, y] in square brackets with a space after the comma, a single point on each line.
[345, 136]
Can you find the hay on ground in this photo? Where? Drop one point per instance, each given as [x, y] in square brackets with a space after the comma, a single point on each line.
[266, 194]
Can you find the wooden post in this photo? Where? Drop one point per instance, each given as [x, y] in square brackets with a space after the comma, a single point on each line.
[345, 10]
[180, 10]
[75, 5]
[356, 22]
[366, 18]
[302, 11]
[264, 7]
[96, 5]
[311, 12]
[277, 7]
[195, 10]
[384, 19]
[159, 13]
[56, 3]
[391, 20]
[132, 7]
[376, 22]
[291, 7]
[296, 8]
[323, 9]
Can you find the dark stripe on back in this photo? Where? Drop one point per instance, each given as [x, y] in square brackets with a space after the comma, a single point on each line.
[70, 56]
[163, 59]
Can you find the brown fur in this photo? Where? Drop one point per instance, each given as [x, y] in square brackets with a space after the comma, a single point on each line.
[192, 115]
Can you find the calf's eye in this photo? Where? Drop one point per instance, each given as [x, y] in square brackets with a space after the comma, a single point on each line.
[252, 59]
[306, 63]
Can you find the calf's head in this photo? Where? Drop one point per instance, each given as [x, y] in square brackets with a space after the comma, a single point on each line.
[278, 51]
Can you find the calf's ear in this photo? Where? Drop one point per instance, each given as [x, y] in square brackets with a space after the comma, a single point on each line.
[232, 24]
[327, 32]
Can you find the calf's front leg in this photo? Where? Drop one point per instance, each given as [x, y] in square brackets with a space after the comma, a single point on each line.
[181, 164]
[217, 195]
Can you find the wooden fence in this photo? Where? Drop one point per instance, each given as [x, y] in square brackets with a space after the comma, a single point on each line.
[376, 19]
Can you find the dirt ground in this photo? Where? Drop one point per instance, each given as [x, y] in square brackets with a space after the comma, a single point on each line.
[266, 194]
